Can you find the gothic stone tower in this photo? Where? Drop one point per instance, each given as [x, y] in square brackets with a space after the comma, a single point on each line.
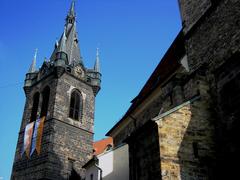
[63, 91]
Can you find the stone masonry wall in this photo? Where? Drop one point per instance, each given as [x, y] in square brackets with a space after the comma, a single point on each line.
[186, 142]
[217, 38]
[167, 97]
[191, 11]
[37, 165]
[73, 139]
[214, 46]
[39, 87]
[71, 144]
[66, 84]
[191, 125]
[152, 110]
[66, 143]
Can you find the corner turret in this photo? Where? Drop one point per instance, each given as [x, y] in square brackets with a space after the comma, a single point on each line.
[61, 55]
[94, 75]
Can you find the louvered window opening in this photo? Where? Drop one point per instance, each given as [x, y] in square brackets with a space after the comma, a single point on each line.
[75, 106]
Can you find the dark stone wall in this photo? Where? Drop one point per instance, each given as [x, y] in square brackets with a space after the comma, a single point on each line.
[227, 100]
[61, 144]
[216, 38]
[71, 144]
[144, 159]
[66, 143]
[50, 81]
[213, 46]
[185, 128]
[191, 11]
[65, 85]
[176, 91]
[39, 165]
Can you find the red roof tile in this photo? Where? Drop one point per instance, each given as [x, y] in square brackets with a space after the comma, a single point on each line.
[100, 146]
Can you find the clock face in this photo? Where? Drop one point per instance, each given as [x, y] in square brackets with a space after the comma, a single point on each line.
[79, 71]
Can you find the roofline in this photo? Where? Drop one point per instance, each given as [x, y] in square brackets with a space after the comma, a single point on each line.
[94, 160]
[113, 149]
[193, 99]
[159, 117]
[132, 108]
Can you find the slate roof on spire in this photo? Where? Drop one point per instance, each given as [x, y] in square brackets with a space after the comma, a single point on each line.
[62, 46]
[72, 42]
[97, 62]
[32, 68]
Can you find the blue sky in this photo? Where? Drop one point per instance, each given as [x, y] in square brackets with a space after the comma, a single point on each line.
[132, 36]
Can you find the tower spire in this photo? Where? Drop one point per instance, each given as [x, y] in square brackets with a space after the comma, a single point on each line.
[32, 68]
[71, 14]
[72, 9]
[97, 62]
[69, 42]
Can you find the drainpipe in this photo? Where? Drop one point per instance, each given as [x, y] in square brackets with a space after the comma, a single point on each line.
[99, 170]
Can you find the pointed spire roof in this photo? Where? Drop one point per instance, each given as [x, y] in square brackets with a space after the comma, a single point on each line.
[71, 39]
[97, 62]
[32, 68]
[71, 16]
[62, 46]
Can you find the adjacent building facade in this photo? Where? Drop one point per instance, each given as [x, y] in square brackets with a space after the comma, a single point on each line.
[111, 163]
[184, 123]
[62, 92]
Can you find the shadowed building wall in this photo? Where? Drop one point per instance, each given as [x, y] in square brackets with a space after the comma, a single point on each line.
[198, 140]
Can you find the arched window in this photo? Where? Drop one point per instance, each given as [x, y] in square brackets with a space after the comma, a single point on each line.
[45, 101]
[75, 105]
[35, 107]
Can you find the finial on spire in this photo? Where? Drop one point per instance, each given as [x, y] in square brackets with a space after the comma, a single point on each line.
[97, 62]
[71, 16]
[56, 44]
[32, 68]
[97, 52]
[72, 9]
[35, 54]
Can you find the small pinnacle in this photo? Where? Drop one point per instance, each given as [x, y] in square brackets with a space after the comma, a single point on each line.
[97, 62]
[32, 68]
